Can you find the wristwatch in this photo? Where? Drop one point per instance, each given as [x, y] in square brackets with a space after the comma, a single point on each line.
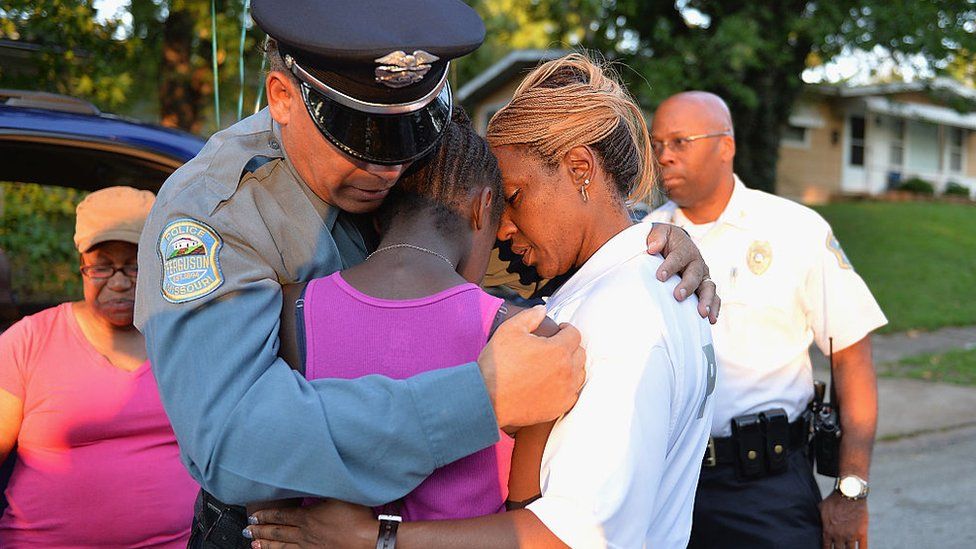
[852, 487]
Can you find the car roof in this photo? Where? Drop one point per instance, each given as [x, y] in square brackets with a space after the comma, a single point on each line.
[66, 141]
[48, 113]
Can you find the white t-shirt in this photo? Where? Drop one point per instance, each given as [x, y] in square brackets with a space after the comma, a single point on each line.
[621, 468]
[784, 282]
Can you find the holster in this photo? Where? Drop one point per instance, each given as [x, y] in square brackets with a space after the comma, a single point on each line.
[750, 447]
[776, 427]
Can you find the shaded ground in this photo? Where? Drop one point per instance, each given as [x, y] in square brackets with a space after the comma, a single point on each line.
[923, 476]
[922, 490]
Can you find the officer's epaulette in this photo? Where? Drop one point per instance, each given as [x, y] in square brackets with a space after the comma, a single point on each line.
[255, 164]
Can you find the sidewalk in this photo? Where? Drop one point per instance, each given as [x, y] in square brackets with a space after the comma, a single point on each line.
[922, 473]
[909, 407]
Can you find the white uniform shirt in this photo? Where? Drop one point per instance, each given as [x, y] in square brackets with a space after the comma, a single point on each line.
[620, 469]
[784, 282]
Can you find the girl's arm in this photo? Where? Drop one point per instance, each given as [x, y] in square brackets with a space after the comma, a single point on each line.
[288, 333]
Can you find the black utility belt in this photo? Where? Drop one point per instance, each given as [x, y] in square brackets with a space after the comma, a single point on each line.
[219, 524]
[759, 444]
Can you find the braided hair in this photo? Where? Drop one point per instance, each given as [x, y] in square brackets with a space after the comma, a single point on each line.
[442, 182]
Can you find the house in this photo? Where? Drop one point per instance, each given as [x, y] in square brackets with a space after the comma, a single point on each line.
[866, 140]
[839, 140]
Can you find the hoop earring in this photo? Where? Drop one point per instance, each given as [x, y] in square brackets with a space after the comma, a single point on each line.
[586, 197]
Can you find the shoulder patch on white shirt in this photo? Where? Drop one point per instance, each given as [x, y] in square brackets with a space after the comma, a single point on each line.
[834, 246]
[188, 251]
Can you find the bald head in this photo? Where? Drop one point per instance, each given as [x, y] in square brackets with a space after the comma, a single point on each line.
[694, 172]
[704, 107]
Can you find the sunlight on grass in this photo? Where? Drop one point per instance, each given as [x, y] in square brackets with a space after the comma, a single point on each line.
[918, 258]
[952, 367]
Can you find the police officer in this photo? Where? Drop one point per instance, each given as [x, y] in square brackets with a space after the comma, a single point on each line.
[356, 91]
[785, 282]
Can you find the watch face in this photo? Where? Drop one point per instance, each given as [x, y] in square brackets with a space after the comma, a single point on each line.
[850, 487]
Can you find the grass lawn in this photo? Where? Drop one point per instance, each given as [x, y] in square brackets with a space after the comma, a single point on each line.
[918, 258]
[953, 367]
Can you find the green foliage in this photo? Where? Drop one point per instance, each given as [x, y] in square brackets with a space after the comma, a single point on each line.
[122, 67]
[918, 258]
[957, 367]
[917, 185]
[36, 232]
[753, 53]
[77, 55]
[956, 189]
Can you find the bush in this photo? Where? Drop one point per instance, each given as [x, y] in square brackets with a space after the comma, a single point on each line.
[917, 185]
[955, 189]
[37, 233]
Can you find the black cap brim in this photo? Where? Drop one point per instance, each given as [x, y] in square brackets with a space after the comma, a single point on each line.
[387, 139]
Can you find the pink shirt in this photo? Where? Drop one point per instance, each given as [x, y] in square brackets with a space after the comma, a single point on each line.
[349, 334]
[97, 462]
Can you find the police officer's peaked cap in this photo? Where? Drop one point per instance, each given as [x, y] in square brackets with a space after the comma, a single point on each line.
[374, 66]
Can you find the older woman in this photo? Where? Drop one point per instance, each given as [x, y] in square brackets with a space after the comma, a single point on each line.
[97, 462]
[620, 469]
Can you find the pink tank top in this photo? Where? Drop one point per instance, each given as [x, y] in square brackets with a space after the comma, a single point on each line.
[349, 334]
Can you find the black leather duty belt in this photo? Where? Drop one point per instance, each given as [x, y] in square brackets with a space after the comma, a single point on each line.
[759, 443]
[218, 525]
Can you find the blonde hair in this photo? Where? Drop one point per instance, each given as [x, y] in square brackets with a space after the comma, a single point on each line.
[573, 101]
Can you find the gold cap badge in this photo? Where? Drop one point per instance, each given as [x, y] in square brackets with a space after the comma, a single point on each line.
[398, 69]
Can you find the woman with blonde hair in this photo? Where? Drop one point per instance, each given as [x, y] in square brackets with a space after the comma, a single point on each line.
[620, 469]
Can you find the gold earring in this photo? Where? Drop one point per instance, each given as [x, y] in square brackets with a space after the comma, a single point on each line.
[586, 197]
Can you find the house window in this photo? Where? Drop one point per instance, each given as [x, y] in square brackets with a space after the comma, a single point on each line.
[857, 141]
[795, 136]
[955, 149]
[896, 152]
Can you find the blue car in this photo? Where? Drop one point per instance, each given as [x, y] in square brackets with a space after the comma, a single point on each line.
[57, 140]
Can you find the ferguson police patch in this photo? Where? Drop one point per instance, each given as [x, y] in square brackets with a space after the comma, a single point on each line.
[188, 250]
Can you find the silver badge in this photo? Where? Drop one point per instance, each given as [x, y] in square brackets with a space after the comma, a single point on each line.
[398, 69]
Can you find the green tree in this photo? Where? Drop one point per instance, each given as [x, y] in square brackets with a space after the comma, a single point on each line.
[158, 64]
[76, 54]
[753, 53]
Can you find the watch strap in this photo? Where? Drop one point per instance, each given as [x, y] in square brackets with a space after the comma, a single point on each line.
[388, 531]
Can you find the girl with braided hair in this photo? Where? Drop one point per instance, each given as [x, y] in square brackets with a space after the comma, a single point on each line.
[620, 468]
[415, 305]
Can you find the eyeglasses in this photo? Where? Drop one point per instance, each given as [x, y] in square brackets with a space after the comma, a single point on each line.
[104, 272]
[679, 144]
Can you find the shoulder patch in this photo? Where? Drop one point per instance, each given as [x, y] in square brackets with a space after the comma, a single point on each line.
[188, 251]
[834, 246]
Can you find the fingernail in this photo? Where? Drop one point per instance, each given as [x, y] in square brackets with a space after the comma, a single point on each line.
[663, 275]
[683, 292]
[255, 545]
[247, 534]
[252, 520]
[708, 309]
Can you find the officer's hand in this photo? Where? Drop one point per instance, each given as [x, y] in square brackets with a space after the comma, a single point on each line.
[682, 256]
[532, 379]
[328, 523]
[845, 522]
